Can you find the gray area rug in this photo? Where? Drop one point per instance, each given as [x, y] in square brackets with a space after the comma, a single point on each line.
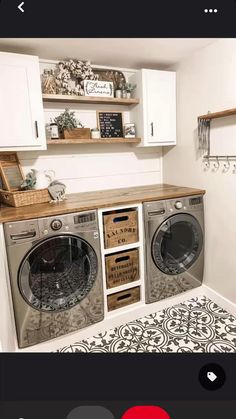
[197, 325]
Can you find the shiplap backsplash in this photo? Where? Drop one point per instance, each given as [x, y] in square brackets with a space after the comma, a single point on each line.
[85, 167]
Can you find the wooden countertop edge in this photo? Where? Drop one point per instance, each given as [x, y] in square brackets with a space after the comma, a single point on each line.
[143, 194]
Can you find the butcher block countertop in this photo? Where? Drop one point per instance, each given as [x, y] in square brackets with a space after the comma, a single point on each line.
[98, 199]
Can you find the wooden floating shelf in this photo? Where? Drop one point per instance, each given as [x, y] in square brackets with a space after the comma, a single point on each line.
[221, 114]
[89, 99]
[97, 141]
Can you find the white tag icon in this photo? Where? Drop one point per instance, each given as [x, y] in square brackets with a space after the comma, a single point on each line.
[212, 377]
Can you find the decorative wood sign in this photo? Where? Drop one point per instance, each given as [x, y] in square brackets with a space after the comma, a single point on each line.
[98, 88]
[11, 172]
[110, 124]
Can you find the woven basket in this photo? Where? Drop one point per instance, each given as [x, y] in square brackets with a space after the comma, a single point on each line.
[23, 198]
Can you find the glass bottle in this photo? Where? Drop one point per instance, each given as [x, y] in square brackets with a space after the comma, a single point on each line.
[54, 130]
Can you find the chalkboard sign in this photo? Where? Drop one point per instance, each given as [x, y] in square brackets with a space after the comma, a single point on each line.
[110, 124]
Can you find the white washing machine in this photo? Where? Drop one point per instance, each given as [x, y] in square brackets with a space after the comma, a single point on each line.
[174, 236]
[55, 274]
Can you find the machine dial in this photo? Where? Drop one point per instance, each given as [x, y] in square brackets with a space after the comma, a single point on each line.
[56, 225]
[178, 205]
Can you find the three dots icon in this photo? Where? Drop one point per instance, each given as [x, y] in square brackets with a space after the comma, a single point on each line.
[210, 10]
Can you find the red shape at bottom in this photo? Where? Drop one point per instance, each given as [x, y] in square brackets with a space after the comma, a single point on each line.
[146, 412]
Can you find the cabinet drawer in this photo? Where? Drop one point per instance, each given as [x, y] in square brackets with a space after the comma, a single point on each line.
[120, 228]
[123, 298]
[122, 268]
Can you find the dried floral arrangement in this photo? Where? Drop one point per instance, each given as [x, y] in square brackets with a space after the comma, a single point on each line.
[69, 75]
[115, 76]
[74, 70]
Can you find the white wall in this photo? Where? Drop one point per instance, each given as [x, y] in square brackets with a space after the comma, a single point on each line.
[97, 166]
[207, 82]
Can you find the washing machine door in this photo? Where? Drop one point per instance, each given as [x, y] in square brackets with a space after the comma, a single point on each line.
[58, 273]
[177, 244]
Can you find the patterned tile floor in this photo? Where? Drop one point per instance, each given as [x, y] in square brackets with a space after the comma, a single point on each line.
[197, 325]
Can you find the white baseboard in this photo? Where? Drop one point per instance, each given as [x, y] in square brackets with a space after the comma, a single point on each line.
[223, 302]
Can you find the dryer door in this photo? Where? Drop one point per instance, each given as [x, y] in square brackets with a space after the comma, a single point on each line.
[177, 244]
[58, 273]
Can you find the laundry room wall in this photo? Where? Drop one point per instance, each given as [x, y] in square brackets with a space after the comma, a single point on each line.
[206, 81]
[97, 166]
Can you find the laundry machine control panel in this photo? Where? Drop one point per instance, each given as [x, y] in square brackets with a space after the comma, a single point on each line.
[31, 230]
[188, 203]
[169, 207]
[21, 232]
[178, 204]
[74, 223]
[56, 224]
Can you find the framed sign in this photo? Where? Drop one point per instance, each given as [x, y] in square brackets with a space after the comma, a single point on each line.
[98, 88]
[10, 172]
[110, 124]
[129, 131]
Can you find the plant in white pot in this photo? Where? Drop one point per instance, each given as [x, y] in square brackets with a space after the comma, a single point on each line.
[129, 87]
[70, 127]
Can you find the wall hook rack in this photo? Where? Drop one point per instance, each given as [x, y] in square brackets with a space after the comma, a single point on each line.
[207, 159]
[204, 123]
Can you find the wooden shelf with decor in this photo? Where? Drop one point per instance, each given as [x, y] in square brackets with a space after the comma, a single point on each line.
[96, 141]
[89, 99]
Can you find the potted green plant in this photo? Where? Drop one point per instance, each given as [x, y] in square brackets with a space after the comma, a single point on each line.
[129, 87]
[70, 127]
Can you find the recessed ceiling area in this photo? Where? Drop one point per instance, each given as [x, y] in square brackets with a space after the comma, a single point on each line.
[117, 52]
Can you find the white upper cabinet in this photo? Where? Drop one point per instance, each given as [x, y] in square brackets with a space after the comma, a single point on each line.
[21, 107]
[155, 116]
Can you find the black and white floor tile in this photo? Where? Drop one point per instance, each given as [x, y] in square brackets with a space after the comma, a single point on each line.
[197, 325]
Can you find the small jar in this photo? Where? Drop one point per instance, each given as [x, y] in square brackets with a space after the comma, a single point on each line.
[95, 133]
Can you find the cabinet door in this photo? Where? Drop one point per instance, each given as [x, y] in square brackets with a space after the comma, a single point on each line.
[160, 99]
[21, 108]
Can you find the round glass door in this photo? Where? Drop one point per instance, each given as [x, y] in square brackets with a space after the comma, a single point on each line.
[177, 244]
[58, 273]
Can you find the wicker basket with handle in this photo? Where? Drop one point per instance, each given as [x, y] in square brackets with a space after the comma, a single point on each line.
[23, 198]
[16, 197]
